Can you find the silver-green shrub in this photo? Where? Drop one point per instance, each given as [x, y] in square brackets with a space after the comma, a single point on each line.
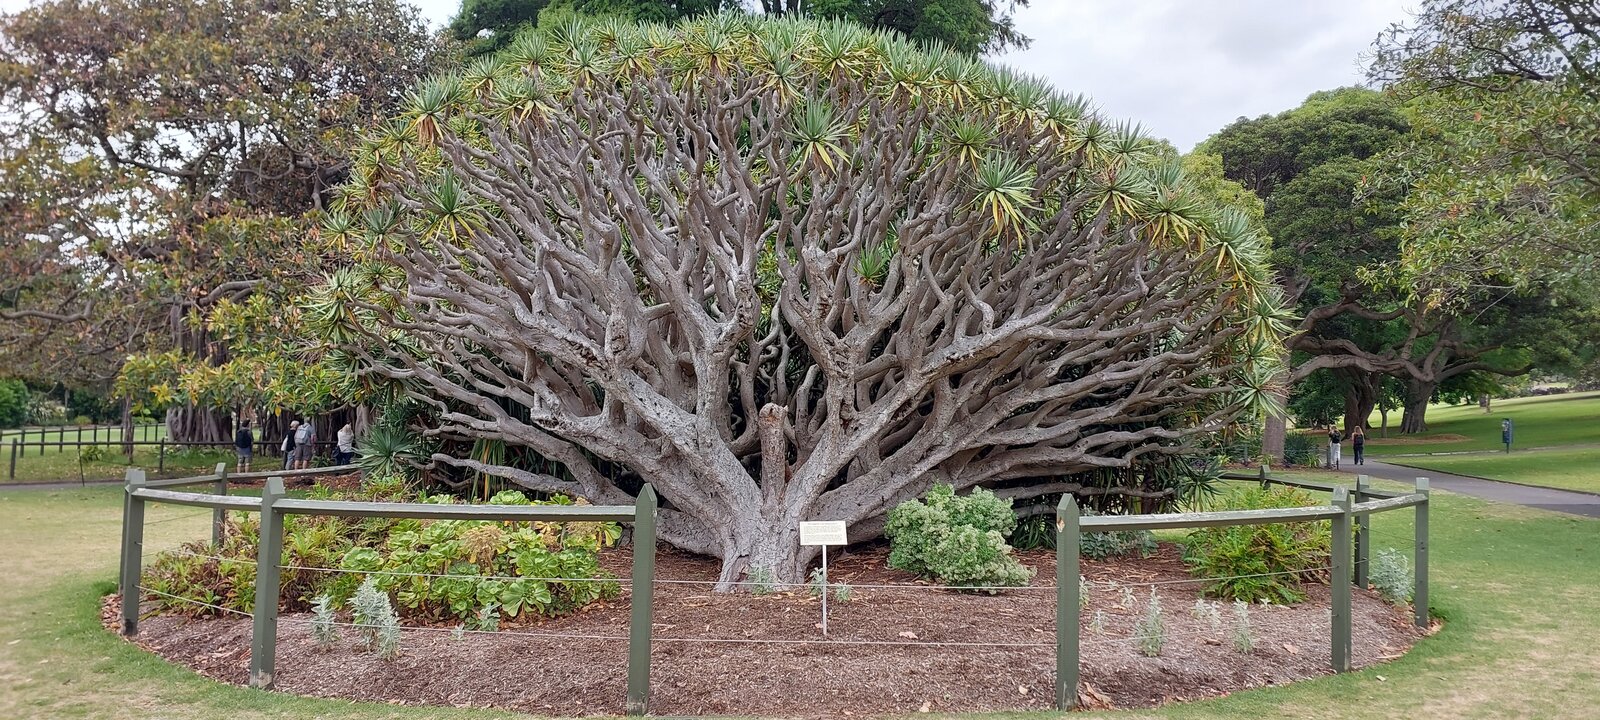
[375, 616]
[1150, 633]
[1390, 575]
[323, 629]
[1243, 640]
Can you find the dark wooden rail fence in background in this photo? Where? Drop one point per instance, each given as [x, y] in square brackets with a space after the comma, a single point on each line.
[267, 449]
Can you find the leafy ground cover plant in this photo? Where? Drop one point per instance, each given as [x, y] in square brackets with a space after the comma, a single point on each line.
[1101, 545]
[955, 539]
[1260, 562]
[433, 569]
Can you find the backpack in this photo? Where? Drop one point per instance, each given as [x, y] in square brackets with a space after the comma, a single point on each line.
[303, 435]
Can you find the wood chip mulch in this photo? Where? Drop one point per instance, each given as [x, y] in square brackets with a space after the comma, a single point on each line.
[571, 676]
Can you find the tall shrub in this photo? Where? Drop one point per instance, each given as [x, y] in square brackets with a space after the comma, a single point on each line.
[13, 403]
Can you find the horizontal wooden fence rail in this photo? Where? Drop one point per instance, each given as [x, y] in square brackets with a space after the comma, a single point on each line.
[274, 506]
[1347, 510]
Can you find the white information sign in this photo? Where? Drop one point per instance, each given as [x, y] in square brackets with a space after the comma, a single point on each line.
[822, 532]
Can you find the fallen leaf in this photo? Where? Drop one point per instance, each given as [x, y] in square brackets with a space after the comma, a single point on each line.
[1022, 690]
[1382, 679]
[1291, 648]
[908, 634]
[927, 705]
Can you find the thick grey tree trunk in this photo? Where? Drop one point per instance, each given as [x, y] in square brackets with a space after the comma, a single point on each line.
[1418, 395]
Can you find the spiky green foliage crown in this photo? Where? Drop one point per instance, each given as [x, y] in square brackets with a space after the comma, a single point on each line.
[986, 107]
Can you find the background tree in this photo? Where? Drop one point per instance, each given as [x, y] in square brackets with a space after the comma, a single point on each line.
[157, 157]
[971, 27]
[1334, 240]
[787, 270]
[1504, 176]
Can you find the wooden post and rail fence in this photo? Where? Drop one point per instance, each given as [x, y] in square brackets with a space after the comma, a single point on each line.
[261, 448]
[1348, 511]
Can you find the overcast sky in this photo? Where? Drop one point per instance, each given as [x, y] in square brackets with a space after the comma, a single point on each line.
[1185, 68]
[1182, 68]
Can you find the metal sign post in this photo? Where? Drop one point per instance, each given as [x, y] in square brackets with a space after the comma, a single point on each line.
[823, 533]
[1506, 430]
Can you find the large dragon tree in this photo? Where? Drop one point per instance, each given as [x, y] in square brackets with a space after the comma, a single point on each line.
[787, 270]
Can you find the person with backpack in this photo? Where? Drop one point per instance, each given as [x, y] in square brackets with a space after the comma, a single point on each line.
[1358, 440]
[288, 444]
[305, 444]
[1334, 438]
[244, 443]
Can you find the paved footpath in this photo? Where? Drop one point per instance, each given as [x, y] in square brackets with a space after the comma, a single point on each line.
[1567, 501]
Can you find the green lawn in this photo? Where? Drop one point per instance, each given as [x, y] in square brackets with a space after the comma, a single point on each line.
[142, 433]
[1550, 421]
[1570, 469]
[63, 466]
[1517, 586]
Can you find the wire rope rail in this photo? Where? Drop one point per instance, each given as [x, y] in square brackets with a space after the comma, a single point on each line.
[1349, 511]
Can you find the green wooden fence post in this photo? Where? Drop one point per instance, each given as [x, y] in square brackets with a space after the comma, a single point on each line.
[132, 551]
[1340, 582]
[161, 456]
[1419, 592]
[1363, 535]
[269, 553]
[641, 598]
[1067, 542]
[219, 516]
[13, 458]
[1263, 475]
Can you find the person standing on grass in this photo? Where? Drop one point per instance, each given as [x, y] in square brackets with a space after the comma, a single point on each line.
[1334, 438]
[288, 444]
[244, 443]
[305, 444]
[346, 449]
[1358, 440]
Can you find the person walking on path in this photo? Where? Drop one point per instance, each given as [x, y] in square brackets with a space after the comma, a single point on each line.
[244, 443]
[1358, 440]
[346, 450]
[305, 444]
[1334, 438]
[288, 444]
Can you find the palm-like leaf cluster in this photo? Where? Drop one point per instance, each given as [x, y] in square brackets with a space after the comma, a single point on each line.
[988, 107]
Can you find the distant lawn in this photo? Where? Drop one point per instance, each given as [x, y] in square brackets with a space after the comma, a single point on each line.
[1555, 420]
[63, 466]
[1576, 469]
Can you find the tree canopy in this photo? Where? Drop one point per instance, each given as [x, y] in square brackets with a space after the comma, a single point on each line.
[786, 270]
[158, 157]
[1503, 176]
[967, 26]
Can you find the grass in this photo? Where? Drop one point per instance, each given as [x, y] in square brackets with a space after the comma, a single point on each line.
[142, 433]
[1541, 422]
[1515, 584]
[1568, 469]
[53, 466]
[1556, 442]
[60, 463]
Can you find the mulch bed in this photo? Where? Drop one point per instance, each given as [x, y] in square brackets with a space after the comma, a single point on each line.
[576, 677]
